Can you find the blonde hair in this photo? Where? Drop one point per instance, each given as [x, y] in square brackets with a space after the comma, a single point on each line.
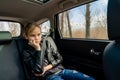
[29, 27]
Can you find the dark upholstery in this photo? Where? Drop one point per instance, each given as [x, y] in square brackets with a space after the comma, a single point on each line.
[111, 56]
[111, 61]
[5, 37]
[10, 63]
[113, 19]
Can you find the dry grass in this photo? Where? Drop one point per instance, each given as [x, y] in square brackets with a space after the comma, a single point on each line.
[95, 33]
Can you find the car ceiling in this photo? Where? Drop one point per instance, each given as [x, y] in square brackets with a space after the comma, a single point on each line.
[22, 10]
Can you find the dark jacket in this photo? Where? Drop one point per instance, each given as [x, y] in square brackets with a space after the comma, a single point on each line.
[34, 60]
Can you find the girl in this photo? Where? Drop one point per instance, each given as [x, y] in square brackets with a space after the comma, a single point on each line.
[42, 64]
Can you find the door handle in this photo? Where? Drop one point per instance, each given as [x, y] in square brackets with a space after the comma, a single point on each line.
[93, 52]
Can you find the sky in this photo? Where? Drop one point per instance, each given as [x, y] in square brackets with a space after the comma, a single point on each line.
[97, 8]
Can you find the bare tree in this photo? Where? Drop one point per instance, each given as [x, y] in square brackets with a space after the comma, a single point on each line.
[62, 20]
[87, 20]
[69, 26]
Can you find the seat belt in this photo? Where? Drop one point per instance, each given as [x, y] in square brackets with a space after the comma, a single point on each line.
[52, 43]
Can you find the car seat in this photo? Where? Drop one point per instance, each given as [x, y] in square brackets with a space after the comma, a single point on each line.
[111, 56]
[10, 62]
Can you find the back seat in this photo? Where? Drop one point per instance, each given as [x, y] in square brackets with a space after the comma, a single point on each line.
[11, 67]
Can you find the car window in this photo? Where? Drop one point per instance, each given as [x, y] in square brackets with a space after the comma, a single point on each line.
[85, 21]
[45, 27]
[13, 27]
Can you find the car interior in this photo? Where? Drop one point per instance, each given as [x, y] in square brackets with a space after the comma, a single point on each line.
[111, 54]
[98, 58]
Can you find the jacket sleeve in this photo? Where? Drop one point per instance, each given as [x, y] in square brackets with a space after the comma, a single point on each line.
[32, 61]
[56, 58]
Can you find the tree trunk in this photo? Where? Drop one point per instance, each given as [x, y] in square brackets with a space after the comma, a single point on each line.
[62, 29]
[87, 20]
[69, 26]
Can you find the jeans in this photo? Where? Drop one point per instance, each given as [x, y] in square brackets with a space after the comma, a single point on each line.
[68, 74]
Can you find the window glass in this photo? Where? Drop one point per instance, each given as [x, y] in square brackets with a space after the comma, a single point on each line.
[86, 21]
[45, 27]
[12, 27]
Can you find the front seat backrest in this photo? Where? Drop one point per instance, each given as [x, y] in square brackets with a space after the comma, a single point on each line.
[111, 56]
[10, 62]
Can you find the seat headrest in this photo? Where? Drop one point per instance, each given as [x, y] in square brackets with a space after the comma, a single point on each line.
[5, 37]
[113, 19]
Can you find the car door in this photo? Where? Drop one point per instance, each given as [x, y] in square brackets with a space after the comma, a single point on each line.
[82, 47]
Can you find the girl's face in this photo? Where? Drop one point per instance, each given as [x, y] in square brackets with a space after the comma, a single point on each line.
[34, 35]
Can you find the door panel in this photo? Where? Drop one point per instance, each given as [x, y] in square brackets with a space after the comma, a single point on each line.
[83, 55]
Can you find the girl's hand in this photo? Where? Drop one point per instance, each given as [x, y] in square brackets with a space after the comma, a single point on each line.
[48, 67]
[38, 75]
[34, 44]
